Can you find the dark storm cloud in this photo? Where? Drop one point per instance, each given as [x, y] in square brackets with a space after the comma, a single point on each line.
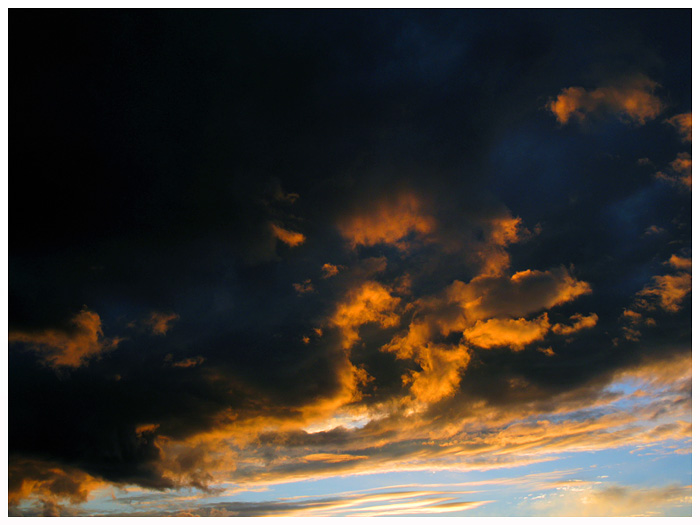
[191, 179]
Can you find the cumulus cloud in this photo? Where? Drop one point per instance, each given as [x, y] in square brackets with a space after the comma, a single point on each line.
[73, 348]
[666, 291]
[388, 221]
[502, 231]
[370, 302]
[684, 125]
[631, 99]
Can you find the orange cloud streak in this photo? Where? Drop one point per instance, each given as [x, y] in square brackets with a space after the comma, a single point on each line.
[288, 237]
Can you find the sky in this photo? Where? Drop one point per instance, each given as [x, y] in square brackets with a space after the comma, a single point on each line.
[350, 263]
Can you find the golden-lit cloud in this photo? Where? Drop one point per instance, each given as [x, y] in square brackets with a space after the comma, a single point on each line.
[329, 270]
[43, 480]
[72, 348]
[502, 231]
[680, 171]
[680, 263]
[514, 333]
[441, 371]
[160, 322]
[389, 221]
[580, 322]
[370, 302]
[666, 291]
[332, 458]
[684, 125]
[487, 312]
[288, 237]
[614, 500]
[631, 99]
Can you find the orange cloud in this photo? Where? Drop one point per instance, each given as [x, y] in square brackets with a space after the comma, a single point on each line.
[288, 237]
[332, 458]
[371, 302]
[680, 263]
[523, 293]
[73, 348]
[160, 322]
[581, 322]
[667, 290]
[684, 125]
[631, 99]
[502, 231]
[189, 362]
[329, 270]
[441, 371]
[483, 311]
[681, 171]
[390, 221]
[514, 333]
[47, 481]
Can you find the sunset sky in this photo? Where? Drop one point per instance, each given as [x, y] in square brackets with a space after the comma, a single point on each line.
[350, 263]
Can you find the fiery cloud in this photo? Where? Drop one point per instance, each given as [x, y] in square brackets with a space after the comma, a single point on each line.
[390, 221]
[329, 270]
[632, 99]
[371, 302]
[72, 348]
[288, 237]
[580, 322]
[514, 333]
[46, 481]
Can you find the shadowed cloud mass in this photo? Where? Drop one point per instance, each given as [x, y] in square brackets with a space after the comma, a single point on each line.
[324, 246]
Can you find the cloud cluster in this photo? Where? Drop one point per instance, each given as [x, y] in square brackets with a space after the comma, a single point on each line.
[345, 260]
[631, 99]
